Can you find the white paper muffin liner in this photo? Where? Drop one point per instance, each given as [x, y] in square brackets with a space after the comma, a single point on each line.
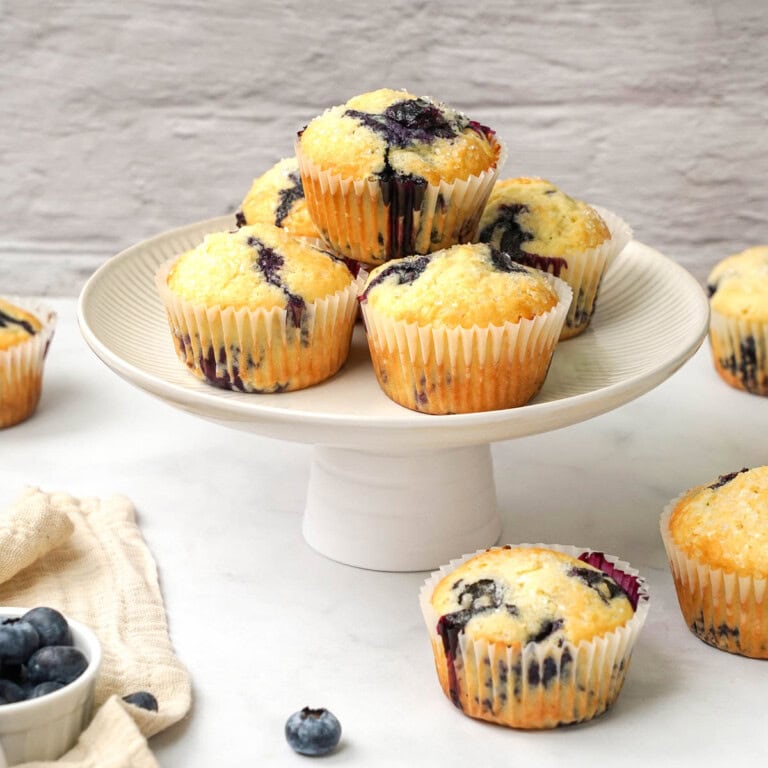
[373, 221]
[21, 365]
[261, 350]
[437, 369]
[724, 609]
[740, 351]
[506, 684]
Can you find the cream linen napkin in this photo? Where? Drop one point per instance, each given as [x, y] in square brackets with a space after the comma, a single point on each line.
[87, 558]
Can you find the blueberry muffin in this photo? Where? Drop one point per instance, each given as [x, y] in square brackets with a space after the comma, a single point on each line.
[539, 225]
[716, 537]
[533, 636]
[256, 310]
[277, 197]
[738, 331]
[463, 329]
[26, 329]
[389, 174]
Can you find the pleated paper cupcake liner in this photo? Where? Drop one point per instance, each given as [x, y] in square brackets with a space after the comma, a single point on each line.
[21, 366]
[374, 221]
[261, 350]
[740, 352]
[724, 609]
[541, 685]
[438, 370]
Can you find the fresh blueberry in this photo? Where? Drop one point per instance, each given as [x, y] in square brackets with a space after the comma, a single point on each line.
[41, 689]
[142, 699]
[60, 663]
[312, 731]
[11, 692]
[18, 641]
[51, 626]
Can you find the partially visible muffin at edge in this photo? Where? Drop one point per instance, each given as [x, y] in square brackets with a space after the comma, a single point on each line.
[26, 329]
[533, 636]
[738, 330]
[716, 537]
[389, 174]
[256, 310]
[541, 226]
[462, 330]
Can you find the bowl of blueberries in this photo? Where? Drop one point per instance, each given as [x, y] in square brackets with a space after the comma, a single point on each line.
[48, 668]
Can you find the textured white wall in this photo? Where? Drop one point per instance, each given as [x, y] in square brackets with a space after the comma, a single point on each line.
[123, 119]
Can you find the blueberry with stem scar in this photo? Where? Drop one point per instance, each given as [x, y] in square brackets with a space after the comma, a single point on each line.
[313, 731]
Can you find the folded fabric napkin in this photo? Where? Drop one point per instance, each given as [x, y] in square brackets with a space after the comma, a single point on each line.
[87, 559]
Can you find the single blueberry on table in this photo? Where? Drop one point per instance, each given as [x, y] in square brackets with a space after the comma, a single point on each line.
[142, 699]
[18, 641]
[313, 731]
[42, 689]
[51, 626]
[59, 663]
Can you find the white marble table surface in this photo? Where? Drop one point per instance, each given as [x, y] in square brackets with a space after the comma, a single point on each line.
[266, 626]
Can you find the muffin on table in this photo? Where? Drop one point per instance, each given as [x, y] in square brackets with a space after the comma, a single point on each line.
[541, 226]
[26, 329]
[463, 329]
[389, 174]
[533, 636]
[277, 197]
[738, 330]
[256, 310]
[716, 537]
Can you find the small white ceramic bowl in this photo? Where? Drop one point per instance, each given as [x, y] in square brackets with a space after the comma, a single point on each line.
[46, 727]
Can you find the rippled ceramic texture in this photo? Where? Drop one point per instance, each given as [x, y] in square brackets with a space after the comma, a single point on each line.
[46, 727]
[651, 317]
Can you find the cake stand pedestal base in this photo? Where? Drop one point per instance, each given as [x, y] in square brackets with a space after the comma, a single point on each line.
[400, 511]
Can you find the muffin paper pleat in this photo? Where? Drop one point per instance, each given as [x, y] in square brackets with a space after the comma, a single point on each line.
[740, 351]
[261, 350]
[374, 220]
[540, 685]
[21, 366]
[724, 609]
[436, 369]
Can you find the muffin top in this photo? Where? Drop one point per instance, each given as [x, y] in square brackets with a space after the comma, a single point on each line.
[532, 216]
[16, 325]
[389, 134]
[277, 197]
[260, 266]
[738, 285]
[725, 524]
[521, 595]
[465, 285]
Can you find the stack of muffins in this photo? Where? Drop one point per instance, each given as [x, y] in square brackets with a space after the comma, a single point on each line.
[464, 302]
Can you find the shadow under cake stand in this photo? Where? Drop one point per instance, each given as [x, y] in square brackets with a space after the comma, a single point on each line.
[391, 489]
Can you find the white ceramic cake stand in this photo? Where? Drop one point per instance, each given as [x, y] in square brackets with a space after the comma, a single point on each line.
[391, 489]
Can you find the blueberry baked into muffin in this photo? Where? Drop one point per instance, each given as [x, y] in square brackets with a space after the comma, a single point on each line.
[389, 174]
[533, 636]
[277, 197]
[738, 331]
[541, 226]
[463, 329]
[716, 537]
[26, 330]
[256, 310]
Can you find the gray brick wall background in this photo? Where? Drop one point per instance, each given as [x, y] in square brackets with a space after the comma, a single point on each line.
[124, 119]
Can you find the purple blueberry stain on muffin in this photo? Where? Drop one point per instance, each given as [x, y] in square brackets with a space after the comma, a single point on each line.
[725, 479]
[287, 197]
[744, 365]
[6, 321]
[404, 272]
[240, 220]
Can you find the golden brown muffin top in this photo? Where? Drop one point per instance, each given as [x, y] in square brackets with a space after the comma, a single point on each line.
[725, 524]
[277, 197]
[388, 133]
[533, 216]
[461, 286]
[260, 266]
[16, 325]
[738, 285]
[529, 594]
